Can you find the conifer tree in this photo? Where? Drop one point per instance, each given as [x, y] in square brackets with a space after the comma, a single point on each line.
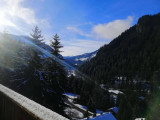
[35, 74]
[56, 45]
[30, 84]
[55, 79]
[125, 110]
[60, 71]
[37, 37]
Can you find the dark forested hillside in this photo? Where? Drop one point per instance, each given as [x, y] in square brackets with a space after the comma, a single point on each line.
[134, 55]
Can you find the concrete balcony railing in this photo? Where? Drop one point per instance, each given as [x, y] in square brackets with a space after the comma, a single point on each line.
[14, 106]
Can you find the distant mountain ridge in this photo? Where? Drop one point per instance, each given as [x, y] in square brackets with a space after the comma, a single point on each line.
[78, 60]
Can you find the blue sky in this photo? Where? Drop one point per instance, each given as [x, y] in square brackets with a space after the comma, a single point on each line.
[83, 25]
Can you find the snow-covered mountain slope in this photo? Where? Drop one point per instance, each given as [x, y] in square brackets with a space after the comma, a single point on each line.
[25, 39]
[78, 60]
[74, 61]
[44, 48]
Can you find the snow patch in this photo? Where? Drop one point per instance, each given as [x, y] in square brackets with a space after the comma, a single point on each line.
[115, 92]
[81, 59]
[114, 109]
[71, 95]
[73, 113]
[94, 55]
[105, 116]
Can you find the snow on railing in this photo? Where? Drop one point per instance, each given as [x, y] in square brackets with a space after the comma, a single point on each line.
[36, 109]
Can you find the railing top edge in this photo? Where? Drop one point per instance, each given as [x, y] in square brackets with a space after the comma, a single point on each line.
[36, 109]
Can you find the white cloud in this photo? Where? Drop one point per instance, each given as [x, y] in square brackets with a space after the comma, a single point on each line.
[112, 29]
[107, 31]
[78, 31]
[71, 51]
[17, 18]
[14, 8]
[80, 46]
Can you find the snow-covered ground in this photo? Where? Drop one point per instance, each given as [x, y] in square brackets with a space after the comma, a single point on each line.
[85, 108]
[73, 110]
[114, 109]
[85, 58]
[103, 86]
[115, 92]
[71, 95]
[94, 55]
[73, 113]
[105, 116]
[81, 59]
[81, 106]
[140, 119]
[71, 72]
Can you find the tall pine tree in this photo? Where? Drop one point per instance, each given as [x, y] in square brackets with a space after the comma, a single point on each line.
[56, 45]
[37, 37]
